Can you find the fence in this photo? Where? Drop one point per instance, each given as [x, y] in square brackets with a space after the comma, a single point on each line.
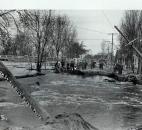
[25, 58]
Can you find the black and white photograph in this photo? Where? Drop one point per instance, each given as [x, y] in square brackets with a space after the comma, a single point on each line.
[70, 69]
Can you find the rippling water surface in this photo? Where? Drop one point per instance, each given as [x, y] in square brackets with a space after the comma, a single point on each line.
[107, 105]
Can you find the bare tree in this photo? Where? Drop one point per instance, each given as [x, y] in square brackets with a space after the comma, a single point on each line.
[6, 21]
[71, 35]
[139, 43]
[39, 25]
[60, 35]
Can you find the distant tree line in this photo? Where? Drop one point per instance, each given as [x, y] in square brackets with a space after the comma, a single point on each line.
[40, 33]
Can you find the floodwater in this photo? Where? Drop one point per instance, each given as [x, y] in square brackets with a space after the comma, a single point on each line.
[106, 105]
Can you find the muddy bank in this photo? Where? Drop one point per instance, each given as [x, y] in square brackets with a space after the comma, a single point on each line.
[63, 121]
[72, 121]
[135, 79]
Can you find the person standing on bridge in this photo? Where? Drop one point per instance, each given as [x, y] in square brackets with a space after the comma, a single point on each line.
[62, 63]
[72, 65]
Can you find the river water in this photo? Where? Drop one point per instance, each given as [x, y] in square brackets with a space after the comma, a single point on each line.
[106, 105]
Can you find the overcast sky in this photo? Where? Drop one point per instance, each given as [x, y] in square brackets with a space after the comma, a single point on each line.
[83, 17]
[94, 25]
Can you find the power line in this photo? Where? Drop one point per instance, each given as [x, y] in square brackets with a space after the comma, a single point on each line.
[92, 30]
[107, 19]
[91, 39]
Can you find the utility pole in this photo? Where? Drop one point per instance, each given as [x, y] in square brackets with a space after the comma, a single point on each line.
[129, 42]
[108, 51]
[112, 46]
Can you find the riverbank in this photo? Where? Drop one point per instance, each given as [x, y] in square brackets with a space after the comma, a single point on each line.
[126, 77]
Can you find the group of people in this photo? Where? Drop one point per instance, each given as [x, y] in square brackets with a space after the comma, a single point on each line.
[72, 65]
[80, 65]
[64, 65]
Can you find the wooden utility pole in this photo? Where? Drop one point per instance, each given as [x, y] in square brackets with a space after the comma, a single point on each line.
[108, 51]
[112, 46]
[129, 42]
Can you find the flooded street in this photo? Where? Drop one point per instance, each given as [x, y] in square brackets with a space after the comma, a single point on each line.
[70, 69]
[106, 105]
